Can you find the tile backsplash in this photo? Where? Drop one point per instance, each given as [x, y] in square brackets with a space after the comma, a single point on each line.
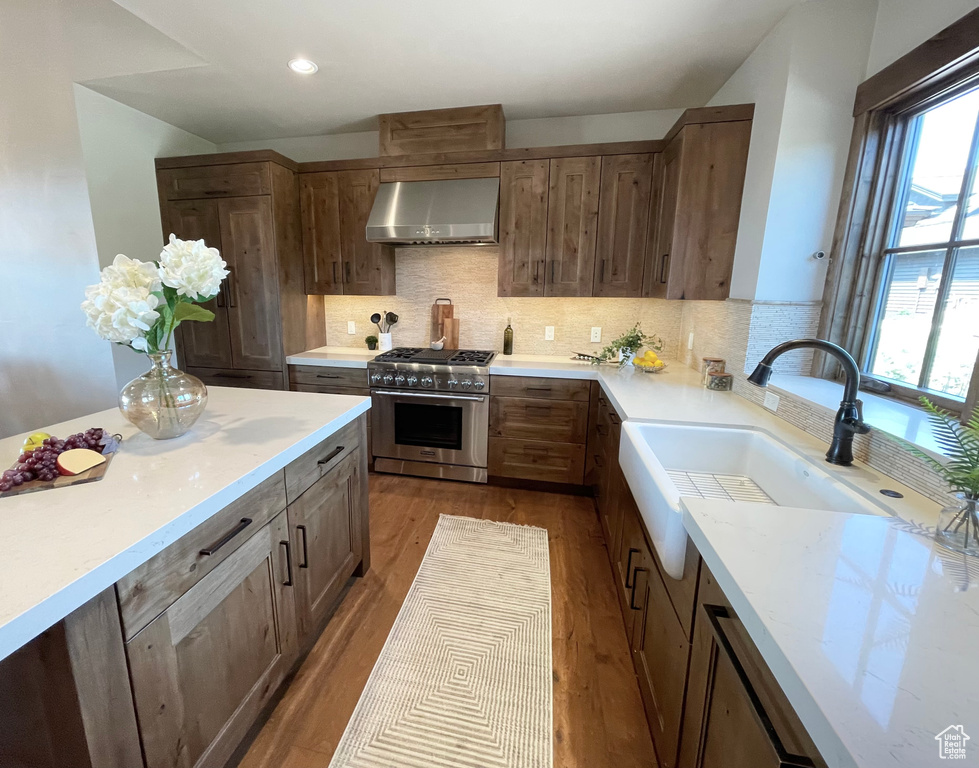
[468, 276]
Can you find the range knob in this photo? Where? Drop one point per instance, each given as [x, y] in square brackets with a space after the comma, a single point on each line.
[412, 380]
[467, 383]
[453, 383]
[388, 378]
[479, 383]
[375, 378]
[399, 380]
[426, 381]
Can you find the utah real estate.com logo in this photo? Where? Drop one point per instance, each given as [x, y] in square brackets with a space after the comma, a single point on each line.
[951, 743]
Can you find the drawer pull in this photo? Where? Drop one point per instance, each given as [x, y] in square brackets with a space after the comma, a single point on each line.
[600, 428]
[632, 595]
[242, 525]
[288, 581]
[332, 455]
[305, 562]
[326, 376]
[628, 566]
[714, 614]
[599, 461]
[614, 418]
[336, 275]
[538, 389]
[232, 375]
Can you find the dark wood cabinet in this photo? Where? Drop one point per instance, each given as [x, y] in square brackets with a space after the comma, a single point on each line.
[572, 226]
[368, 268]
[337, 258]
[623, 216]
[691, 254]
[523, 227]
[250, 212]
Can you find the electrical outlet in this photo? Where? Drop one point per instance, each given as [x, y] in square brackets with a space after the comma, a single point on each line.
[690, 341]
[771, 401]
[548, 333]
[351, 327]
[596, 334]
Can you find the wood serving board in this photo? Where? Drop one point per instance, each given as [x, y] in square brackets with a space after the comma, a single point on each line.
[62, 481]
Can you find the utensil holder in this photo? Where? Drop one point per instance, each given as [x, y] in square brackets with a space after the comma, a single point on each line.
[384, 343]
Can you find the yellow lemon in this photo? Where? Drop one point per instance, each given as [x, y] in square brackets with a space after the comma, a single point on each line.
[34, 441]
[659, 364]
[650, 355]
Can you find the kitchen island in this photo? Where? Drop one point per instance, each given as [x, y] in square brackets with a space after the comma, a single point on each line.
[209, 560]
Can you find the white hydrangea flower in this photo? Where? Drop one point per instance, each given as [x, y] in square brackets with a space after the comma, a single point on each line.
[121, 307]
[192, 268]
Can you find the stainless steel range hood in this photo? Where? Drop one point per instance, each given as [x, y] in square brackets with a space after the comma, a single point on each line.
[435, 212]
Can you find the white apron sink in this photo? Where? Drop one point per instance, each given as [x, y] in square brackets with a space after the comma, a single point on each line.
[664, 462]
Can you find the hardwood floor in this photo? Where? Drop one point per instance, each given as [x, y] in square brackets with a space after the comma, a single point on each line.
[598, 713]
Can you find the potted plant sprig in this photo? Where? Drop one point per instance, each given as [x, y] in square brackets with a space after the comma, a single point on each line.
[627, 345]
[958, 524]
[371, 342]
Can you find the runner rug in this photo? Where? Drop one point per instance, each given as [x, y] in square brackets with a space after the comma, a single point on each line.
[464, 679]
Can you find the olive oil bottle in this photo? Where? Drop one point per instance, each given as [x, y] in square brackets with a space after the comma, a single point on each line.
[508, 339]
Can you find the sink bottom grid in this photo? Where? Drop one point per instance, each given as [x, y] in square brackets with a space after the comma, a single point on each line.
[708, 485]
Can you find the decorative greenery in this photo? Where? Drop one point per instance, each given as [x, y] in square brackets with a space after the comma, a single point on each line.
[629, 343]
[371, 342]
[959, 442]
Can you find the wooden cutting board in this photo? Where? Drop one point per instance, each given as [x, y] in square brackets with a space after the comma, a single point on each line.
[443, 310]
[62, 481]
[450, 329]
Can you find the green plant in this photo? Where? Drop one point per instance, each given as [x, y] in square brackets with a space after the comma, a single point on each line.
[629, 342]
[959, 442]
[371, 342]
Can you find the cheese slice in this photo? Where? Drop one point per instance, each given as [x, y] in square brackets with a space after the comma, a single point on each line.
[79, 460]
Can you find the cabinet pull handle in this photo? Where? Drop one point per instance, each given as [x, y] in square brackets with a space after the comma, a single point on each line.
[602, 278]
[632, 595]
[714, 614]
[219, 299]
[537, 389]
[536, 271]
[662, 267]
[553, 265]
[242, 525]
[346, 271]
[600, 428]
[288, 581]
[305, 562]
[232, 375]
[614, 418]
[326, 376]
[232, 288]
[331, 455]
[599, 461]
[336, 274]
[628, 565]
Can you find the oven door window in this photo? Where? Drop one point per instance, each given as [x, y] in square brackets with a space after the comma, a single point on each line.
[429, 426]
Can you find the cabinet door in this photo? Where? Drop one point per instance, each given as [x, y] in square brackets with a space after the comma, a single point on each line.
[248, 240]
[327, 538]
[629, 559]
[368, 268]
[623, 216]
[662, 216]
[202, 344]
[572, 226]
[204, 669]
[523, 227]
[322, 262]
[661, 651]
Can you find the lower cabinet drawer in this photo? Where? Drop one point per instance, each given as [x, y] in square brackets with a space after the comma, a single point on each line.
[535, 460]
[152, 587]
[204, 669]
[226, 377]
[559, 421]
[315, 463]
[328, 376]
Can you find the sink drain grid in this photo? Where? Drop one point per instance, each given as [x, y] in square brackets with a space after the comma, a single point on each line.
[708, 485]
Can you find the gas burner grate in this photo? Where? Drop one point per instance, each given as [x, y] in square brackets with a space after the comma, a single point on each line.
[399, 354]
[472, 356]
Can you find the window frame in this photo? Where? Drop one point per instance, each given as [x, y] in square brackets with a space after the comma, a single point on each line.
[941, 68]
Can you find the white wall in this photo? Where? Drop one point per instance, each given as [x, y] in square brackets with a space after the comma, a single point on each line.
[802, 78]
[119, 145]
[51, 366]
[581, 129]
[904, 24]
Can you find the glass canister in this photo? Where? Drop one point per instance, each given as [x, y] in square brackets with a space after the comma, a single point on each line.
[709, 365]
[719, 382]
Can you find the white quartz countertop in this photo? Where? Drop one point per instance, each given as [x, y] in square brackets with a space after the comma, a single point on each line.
[61, 547]
[870, 629]
[334, 357]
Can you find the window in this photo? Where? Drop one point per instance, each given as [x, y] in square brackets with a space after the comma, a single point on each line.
[924, 332]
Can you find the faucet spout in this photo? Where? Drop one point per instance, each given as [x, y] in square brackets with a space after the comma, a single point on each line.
[849, 418]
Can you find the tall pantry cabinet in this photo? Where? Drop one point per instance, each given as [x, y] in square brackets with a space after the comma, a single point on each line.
[250, 212]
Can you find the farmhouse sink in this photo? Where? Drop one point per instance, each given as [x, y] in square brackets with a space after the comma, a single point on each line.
[663, 462]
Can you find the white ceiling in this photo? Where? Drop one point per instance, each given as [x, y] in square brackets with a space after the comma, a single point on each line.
[222, 73]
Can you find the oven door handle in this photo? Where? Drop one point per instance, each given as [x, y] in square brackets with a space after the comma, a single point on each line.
[475, 398]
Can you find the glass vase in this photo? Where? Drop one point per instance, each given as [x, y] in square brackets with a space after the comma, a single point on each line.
[958, 526]
[164, 402]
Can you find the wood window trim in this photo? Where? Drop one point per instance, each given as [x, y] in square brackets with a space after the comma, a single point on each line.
[933, 71]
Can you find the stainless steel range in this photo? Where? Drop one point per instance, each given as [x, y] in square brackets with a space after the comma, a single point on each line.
[431, 412]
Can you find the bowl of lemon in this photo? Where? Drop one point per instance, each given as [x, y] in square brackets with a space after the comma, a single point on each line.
[648, 363]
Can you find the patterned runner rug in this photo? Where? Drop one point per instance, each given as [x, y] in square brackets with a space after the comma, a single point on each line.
[464, 679]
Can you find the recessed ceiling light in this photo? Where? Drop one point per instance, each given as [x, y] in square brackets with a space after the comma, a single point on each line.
[303, 66]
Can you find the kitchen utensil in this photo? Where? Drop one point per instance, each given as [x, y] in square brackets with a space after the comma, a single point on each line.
[437, 345]
[376, 319]
[391, 319]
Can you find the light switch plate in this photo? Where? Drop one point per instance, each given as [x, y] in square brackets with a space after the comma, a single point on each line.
[690, 341]
[548, 333]
[351, 327]
[596, 334]
[771, 401]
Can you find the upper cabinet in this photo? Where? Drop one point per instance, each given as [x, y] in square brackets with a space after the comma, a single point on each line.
[337, 257]
[623, 215]
[572, 226]
[523, 227]
[690, 254]
[249, 211]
